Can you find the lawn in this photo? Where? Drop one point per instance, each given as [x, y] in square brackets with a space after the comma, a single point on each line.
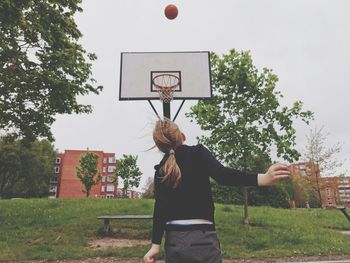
[62, 229]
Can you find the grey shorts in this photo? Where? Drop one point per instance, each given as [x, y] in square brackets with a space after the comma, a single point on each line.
[195, 246]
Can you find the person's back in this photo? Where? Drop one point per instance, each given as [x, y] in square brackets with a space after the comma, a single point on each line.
[184, 207]
[192, 198]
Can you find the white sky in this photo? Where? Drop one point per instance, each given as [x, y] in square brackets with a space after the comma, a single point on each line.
[306, 43]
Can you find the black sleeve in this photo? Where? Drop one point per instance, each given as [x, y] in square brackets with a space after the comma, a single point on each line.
[158, 212]
[224, 175]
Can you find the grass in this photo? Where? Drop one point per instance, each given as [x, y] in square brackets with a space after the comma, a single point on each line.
[54, 229]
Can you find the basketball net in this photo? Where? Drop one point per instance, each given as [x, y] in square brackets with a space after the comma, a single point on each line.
[166, 85]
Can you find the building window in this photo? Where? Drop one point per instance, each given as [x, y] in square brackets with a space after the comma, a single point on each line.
[105, 160]
[57, 170]
[111, 160]
[302, 167]
[54, 179]
[111, 169]
[53, 189]
[110, 179]
[103, 179]
[58, 160]
[104, 170]
[110, 188]
[102, 188]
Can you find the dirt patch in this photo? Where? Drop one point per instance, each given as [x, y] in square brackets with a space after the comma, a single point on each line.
[105, 243]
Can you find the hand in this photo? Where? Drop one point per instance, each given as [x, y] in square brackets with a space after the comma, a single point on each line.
[274, 174]
[152, 254]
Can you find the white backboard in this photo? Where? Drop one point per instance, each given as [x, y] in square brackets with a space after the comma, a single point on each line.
[138, 68]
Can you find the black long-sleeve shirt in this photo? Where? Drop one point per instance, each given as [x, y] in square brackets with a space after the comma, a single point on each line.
[193, 198]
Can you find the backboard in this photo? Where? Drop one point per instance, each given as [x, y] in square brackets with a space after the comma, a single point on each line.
[138, 69]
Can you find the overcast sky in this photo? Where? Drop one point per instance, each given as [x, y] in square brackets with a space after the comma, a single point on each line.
[305, 42]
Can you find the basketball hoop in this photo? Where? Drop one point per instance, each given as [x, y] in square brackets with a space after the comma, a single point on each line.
[166, 85]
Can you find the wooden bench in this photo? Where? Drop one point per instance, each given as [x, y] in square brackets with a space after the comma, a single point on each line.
[107, 219]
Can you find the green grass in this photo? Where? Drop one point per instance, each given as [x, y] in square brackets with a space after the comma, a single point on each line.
[61, 229]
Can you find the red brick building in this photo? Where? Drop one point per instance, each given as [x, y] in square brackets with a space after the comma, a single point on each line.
[334, 190]
[337, 191]
[66, 184]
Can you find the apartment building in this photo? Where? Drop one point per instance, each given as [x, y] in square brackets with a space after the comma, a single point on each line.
[339, 193]
[334, 191]
[65, 183]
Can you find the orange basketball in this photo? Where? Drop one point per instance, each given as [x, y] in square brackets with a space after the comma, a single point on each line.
[171, 11]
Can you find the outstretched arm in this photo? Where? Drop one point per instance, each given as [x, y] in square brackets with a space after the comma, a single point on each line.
[223, 175]
[230, 177]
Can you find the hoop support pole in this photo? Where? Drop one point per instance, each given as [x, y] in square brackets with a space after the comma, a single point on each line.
[166, 110]
[177, 113]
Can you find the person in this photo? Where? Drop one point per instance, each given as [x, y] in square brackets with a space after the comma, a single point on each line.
[184, 208]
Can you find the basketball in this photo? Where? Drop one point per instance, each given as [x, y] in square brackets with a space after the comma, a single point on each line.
[171, 11]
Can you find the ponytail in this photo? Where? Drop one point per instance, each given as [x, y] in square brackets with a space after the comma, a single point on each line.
[171, 172]
[167, 137]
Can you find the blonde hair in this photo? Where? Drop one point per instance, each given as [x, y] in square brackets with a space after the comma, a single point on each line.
[167, 137]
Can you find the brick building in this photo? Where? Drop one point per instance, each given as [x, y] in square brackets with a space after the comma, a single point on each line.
[338, 193]
[65, 183]
[334, 190]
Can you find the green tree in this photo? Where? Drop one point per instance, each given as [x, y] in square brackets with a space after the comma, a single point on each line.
[307, 191]
[43, 68]
[289, 188]
[275, 195]
[245, 116]
[87, 171]
[128, 171]
[148, 190]
[323, 159]
[25, 171]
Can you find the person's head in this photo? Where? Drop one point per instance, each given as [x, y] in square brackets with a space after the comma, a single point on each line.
[167, 137]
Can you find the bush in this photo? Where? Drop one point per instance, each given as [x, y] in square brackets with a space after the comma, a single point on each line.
[273, 196]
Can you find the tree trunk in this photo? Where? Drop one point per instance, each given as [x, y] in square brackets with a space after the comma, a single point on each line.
[245, 198]
[317, 174]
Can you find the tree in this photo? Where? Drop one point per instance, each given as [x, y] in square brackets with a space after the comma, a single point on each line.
[128, 170]
[323, 159]
[245, 116]
[275, 195]
[148, 190]
[317, 152]
[43, 68]
[288, 187]
[87, 171]
[25, 171]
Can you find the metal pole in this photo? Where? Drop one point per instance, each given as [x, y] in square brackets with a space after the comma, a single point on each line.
[343, 210]
[166, 110]
[154, 109]
[179, 110]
